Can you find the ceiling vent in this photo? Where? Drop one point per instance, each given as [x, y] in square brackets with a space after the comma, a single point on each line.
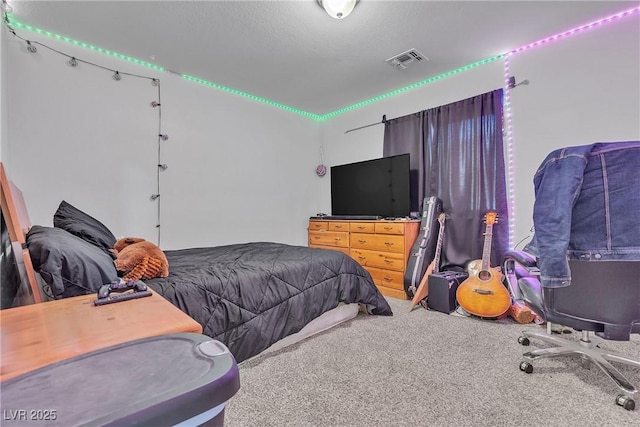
[402, 60]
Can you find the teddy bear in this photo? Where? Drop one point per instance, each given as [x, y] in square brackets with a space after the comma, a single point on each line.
[137, 259]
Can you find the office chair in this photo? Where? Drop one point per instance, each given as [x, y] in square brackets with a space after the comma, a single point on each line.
[600, 244]
[603, 298]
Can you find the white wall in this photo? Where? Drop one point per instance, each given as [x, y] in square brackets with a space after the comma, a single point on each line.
[582, 89]
[242, 171]
[238, 170]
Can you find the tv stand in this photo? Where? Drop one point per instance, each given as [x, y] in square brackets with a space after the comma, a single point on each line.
[381, 246]
[348, 217]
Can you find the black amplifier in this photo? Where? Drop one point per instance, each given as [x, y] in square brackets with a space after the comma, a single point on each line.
[442, 290]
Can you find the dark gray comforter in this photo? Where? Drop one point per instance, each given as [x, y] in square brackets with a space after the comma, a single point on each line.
[251, 295]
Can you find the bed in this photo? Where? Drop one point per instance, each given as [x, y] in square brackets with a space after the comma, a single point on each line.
[253, 297]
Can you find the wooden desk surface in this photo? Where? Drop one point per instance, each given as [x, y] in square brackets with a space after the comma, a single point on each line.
[37, 335]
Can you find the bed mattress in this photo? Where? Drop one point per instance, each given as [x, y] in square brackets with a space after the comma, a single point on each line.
[251, 295]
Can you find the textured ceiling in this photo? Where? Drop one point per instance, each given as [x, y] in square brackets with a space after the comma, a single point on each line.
[293, 53]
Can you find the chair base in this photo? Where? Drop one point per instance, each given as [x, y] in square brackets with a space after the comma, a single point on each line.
[589, 352]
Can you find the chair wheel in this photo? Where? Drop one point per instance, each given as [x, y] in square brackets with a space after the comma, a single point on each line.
[523, 340]
[527, 367]
[626, 402]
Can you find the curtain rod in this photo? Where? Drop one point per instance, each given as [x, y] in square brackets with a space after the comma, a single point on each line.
[512, 84]
[384, 119]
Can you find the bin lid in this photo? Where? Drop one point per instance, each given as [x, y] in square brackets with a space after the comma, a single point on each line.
[153, 381]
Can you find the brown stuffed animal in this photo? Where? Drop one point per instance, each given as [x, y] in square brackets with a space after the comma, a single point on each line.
[138, 259]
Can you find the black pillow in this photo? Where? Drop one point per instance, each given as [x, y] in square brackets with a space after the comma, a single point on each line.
[84, 226]
[70, 266]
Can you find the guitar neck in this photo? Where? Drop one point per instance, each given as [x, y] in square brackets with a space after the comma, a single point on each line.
[436, 258]
[486, 250]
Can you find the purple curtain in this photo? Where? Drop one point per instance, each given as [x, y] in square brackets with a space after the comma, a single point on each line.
[457, 155]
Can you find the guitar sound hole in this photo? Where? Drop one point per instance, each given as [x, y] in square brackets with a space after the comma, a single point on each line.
[484, 275]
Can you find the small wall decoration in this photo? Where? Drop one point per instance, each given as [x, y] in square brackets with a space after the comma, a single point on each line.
[321, 169]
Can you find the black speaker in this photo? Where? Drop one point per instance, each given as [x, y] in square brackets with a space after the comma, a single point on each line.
[442, 290]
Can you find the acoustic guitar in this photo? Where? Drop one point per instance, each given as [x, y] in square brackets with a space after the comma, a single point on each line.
[483, 294]
[433, 267]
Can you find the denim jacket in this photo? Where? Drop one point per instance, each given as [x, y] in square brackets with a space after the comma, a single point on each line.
[587, 207]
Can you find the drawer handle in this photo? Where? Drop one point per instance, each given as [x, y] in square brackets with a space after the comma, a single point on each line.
[388, 228]
[316, 237]
[362, 241]
[388, 243]
[337, 239]
[388, 261]
[360, 227]
[362, 257]
[388, 279]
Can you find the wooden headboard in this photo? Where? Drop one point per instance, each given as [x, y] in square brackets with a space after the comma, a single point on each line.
[14, 212]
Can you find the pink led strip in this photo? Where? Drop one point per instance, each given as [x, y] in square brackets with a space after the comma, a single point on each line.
[507, 103]
[577, 30]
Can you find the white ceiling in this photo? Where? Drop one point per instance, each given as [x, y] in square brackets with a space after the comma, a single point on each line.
[293, 53]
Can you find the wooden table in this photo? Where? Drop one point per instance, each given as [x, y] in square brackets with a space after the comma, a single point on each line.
[37, 335]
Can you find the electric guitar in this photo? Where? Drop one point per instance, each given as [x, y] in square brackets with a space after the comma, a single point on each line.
[483, 294]
[433, 267]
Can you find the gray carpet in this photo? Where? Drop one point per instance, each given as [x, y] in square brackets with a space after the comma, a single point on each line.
[425, 368]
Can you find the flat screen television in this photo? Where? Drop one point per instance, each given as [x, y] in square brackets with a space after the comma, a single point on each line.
[378, 187]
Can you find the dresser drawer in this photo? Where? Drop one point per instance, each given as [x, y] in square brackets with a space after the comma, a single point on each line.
[385, 260]
[362, 227]
[389, 227]
[377, 242]
[318, 225]
[329, 238]
[338, 226]
[387, 278]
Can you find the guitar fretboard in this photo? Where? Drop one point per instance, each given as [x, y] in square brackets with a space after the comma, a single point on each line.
[436, 262]
[486, 249]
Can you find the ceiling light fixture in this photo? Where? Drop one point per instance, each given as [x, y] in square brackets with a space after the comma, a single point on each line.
[338, 9]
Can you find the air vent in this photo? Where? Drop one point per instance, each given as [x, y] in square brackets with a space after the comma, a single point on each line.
[402, 60]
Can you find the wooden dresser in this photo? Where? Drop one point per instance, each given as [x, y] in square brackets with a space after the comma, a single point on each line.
[381, 246]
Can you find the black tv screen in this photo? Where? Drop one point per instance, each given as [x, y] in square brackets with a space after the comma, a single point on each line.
[374, 187]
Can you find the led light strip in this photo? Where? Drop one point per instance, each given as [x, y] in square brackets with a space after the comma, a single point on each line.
[10, 20]
[17, 24]
[412, 86]
[250, 96]
[507, 103]
[576, 30]
[509, 135]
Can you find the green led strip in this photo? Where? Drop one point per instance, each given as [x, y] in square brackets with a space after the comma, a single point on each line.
[254, 97]
[411, 86]
[81, 44]
[11, 20]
